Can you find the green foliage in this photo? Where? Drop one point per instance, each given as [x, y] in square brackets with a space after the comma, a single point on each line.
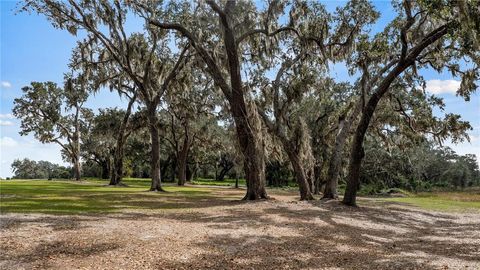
[30, 169]
[418, 168]
[54, 115]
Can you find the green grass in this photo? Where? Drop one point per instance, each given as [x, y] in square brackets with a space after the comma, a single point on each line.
[225, 182]
[93, 196]
[458, 201]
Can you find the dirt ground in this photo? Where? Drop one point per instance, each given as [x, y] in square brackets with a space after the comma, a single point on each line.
[225, 234]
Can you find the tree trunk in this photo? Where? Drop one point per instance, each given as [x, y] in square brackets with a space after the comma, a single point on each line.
[334, 166]
[300, 176]
[317, 172]
[155, 154]
[251, 146]
[246, 119]
[357, 151]
[236, 179]
[76, 168]
[164, 165]
[223, 172]
[173, 172]
[182, 163]
[117, 172]
[105, 169]
[310, 181]
[254, 167]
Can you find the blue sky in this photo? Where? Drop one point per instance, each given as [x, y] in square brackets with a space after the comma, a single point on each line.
[32, 50]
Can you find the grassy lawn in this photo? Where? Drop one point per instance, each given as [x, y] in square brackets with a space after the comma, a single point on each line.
[454, 201]
[92, 196]
[225, 182]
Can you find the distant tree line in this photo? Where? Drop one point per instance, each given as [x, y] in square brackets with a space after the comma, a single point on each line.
[417, 168]
[31, 169]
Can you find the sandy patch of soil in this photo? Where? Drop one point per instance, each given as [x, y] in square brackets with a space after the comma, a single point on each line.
[276, 234]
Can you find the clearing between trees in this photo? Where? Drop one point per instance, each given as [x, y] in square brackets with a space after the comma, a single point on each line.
[67, 225]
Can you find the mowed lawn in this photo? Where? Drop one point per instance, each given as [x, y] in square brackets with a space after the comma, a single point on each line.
[94, 196]
[447, 201]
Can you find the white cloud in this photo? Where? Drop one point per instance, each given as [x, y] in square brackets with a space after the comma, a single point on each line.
[7, 142]
[442, 86]
[6, 123]
[7, 116]
[5, 84]
[26, 147]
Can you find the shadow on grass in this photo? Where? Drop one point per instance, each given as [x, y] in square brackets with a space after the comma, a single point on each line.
[55, 197]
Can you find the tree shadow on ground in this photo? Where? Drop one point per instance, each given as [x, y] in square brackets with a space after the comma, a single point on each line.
[331, 235]
[280, 235]
[40, 255]
[105, 202]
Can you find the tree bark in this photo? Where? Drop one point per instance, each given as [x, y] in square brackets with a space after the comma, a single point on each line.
[155, 154]
[300, 176]
[182, 158]
[310, 181]
[117, 171]
[236, 179]
[254, 167]
[77, 168]
[334, 166]
[317, 172]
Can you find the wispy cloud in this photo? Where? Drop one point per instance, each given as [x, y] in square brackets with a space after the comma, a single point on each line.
[5, 84]
[6, 116]
[7, 142]
[442, 86]
[6, 123]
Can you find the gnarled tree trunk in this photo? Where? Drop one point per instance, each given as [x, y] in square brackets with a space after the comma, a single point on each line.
[300, 175]
[155, 154]
[344, 125]
[254, 159]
